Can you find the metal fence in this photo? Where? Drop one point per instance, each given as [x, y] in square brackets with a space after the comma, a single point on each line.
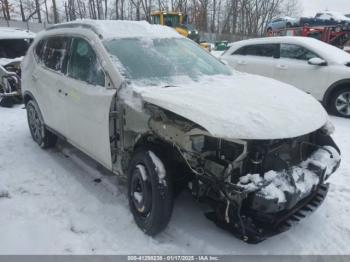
[31, 26]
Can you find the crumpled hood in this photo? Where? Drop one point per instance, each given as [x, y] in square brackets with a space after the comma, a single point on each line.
[242, 106]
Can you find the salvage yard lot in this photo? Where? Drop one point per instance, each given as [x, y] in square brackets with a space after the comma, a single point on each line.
[59, 202]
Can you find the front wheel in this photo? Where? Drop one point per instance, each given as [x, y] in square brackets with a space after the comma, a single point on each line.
[340, 103]
[150, 191]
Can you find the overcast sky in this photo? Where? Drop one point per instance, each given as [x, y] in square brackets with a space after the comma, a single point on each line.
[311, 7]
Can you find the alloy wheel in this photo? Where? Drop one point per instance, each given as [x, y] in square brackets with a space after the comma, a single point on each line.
[35, 124]
[342, 104]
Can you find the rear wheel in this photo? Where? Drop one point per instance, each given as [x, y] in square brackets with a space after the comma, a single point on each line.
[340, 103]
[150, 191]
[43, 137]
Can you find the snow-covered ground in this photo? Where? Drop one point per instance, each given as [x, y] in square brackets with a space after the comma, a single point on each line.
[52, 202]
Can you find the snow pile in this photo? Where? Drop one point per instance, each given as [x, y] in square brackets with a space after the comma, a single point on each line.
[297, 180]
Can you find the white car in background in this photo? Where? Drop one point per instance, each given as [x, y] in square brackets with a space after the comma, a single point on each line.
[306, 63]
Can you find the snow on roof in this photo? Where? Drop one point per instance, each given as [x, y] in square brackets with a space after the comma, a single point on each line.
[15, 33]
[324, 50]
[110, 29]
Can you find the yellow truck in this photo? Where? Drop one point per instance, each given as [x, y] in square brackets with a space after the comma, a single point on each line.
[178, 21]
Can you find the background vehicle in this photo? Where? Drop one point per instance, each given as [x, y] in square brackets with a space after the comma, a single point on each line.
[13, 46]
[282, 22]
[327, 18]
[334, 35]
[178, 21]
[165, 116]
[306, 63]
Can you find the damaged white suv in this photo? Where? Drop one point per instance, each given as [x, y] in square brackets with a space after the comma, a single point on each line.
[157, 110]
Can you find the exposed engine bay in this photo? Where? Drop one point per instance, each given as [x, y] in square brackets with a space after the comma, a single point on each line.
[257, 188]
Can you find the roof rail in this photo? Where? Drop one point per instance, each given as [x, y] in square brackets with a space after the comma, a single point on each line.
[75, 25]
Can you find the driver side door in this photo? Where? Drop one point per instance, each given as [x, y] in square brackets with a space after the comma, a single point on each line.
[88, 102]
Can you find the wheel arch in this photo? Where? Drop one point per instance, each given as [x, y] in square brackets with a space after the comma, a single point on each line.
[27, 96]
[159, 145]
[334, 88]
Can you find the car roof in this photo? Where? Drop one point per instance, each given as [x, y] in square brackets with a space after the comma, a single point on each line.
[276, 40]
[15, 33]
[109, 29]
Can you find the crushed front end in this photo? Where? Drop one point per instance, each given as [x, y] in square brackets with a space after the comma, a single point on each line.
[10, 84]
[260, 188]
[256, 188]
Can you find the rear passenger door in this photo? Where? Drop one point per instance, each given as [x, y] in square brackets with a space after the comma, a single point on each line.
[88, 102]
[255, 59]
[51, 54]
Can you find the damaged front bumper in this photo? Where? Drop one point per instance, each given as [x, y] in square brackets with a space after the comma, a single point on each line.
[260, 207]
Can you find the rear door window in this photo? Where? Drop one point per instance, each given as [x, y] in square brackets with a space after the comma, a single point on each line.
[264, 50]
[56, 53]
[84, 65]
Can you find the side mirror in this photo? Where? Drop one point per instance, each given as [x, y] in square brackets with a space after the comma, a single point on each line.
[317, 61]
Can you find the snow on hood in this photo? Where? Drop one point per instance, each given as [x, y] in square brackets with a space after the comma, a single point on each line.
[242, 106]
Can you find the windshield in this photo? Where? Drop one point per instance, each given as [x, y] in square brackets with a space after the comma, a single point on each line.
[13, 48]
[164, 58]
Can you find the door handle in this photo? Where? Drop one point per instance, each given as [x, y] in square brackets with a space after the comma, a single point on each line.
[282, 67]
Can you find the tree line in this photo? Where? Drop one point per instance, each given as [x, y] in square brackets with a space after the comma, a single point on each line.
[244, 17]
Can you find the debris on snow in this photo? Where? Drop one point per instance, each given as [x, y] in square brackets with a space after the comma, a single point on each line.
[4, 193]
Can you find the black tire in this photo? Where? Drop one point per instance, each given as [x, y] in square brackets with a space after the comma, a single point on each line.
[43, 137]
[269, 30]
[288, 25]
[152, 208]
[340, 103]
